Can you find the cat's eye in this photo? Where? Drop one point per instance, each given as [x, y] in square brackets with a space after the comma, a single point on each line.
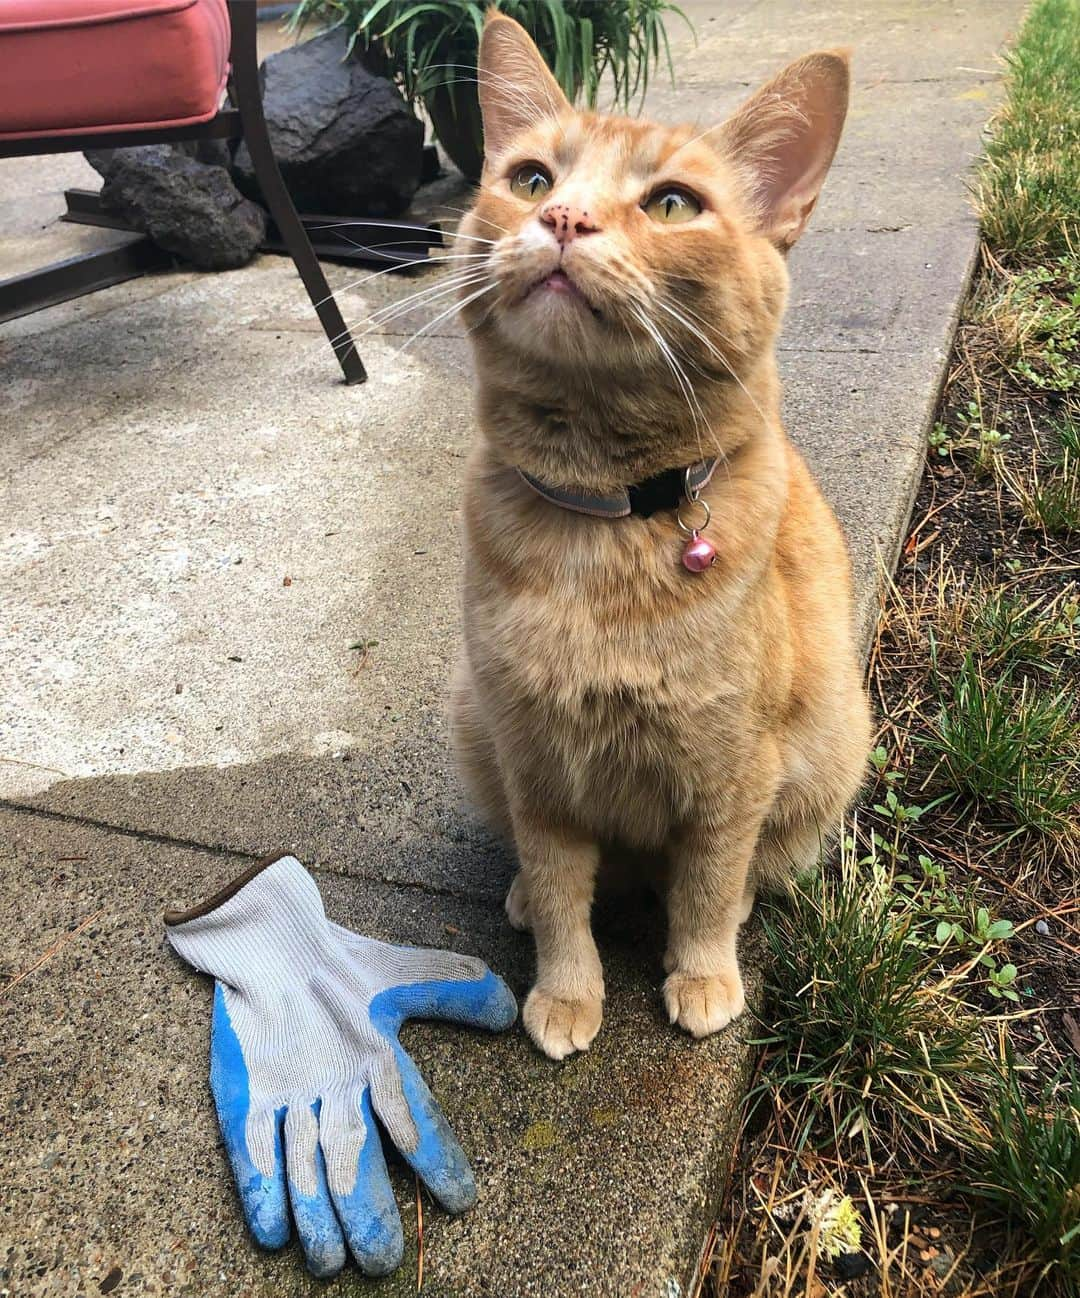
[530, 182]
[671, 206]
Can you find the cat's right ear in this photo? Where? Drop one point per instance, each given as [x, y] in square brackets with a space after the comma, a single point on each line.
[784, 137]
[516, 88]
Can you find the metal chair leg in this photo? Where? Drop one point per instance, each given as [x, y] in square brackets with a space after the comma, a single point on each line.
[248, 99]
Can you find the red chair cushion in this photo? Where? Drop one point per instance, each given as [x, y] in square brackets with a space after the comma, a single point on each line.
[79, 67]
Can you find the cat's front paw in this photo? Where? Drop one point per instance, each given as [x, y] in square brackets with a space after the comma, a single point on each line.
[703, 1005]
[559, 1027]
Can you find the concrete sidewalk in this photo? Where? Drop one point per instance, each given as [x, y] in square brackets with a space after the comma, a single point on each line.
[198, 525]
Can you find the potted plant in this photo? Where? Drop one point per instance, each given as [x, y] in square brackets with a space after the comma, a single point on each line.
[430, 48]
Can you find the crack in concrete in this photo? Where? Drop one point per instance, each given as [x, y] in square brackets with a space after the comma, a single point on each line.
[210, 849]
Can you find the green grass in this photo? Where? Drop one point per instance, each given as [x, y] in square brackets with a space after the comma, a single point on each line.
[1050, 498]
[1068, 435]
[1006, 630]
[893, 992]
[1012, 747]
[1030, 1169]
[871, 1040]
[1028, 191]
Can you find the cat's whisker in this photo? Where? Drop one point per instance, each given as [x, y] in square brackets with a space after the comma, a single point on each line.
[414, 303]
[483, 319]
[403, 225]
[695, 139]
[486, 75]
[693, 329]
[718, 354]
[685, 384]
[449, 284]
[707, 324]
[476, 217]
[416, 300]
[386, 270]
[427, 261]
[452, 310]
[505, 95]
[441, 284]
[677, 370]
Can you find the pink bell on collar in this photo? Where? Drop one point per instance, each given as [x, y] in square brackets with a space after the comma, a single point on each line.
[698, 554]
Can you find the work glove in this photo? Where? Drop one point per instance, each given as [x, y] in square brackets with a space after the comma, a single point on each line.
[304, 1054]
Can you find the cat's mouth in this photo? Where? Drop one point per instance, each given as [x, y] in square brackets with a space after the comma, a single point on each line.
[557, 283]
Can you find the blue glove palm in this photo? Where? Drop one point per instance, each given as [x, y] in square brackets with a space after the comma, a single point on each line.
[305, 1054]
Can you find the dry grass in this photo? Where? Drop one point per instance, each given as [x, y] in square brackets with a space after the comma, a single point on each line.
[976, 681]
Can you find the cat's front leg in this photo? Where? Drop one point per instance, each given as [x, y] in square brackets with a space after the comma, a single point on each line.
[558, 874]
[709, 897]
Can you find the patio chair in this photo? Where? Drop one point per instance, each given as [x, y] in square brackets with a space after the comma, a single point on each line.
[78, 74]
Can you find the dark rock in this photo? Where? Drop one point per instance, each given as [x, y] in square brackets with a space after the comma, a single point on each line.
[849, 1266]
[100, 159]
[187, 207]
[345, 140]
[217, 153]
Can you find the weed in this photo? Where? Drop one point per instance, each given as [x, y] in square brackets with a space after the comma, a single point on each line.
[950, 615]
[1030, 1168]
[1001, 982]
[1068, 434]
[1035, 315]
[1013, 748]
[867, 1035]
[973, 439]
[1050, 498]
[1004, 629]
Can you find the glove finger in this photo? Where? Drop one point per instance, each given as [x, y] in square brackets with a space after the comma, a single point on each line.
[417, 1127]
[252, 1140]
[430, 983]
[318, 1228]
[481, 1002]
[359, 1184]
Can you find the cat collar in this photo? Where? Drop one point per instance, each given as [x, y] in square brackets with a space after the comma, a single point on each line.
[668, 490]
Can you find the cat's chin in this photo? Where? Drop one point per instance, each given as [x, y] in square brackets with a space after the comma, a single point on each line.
[556, 322]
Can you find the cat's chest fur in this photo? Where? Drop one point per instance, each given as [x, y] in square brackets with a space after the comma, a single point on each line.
[604, 662]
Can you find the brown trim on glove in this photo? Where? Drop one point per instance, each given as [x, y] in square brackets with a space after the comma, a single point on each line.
[173, 917]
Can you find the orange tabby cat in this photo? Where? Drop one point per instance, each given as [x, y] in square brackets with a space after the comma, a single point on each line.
[617, 694]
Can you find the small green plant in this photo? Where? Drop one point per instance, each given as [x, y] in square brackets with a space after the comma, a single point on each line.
[1030, 1168]
[982, 931]
[1012, 747]
[869, 1039]
[430, 47]
[1050, 499]
[939, 439]
[1001, 981]
[1005, 630]
[1036, 315]
[973, 439]
[895, 810]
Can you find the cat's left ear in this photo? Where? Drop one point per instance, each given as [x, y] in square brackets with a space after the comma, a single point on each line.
[516, 88]
[784, 137]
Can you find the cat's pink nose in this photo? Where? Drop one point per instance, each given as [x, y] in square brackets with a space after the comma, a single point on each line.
[566, 221]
